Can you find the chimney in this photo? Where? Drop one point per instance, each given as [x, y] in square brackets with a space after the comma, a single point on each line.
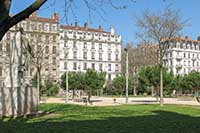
[198, 38]
[86, 25]
[34, 15]
[76, 24]
[56, 17]
[112, 30]
[187, 38]
[100, 28]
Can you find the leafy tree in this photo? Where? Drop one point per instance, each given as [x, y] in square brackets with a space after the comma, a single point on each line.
[119, 84]
[75, 80]
[51, 88]
[192, 82]
[89, 81]
[94, 81]
[150, 75]
[160, 29]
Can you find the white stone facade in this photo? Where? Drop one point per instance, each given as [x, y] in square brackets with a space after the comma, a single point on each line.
[182, 56]
[83, 48]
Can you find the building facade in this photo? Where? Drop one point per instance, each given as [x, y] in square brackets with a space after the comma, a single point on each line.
[42, 37]
[57, 47]
[85, 48]
[182, 56]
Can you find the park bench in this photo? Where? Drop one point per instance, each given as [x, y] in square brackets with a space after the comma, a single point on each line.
[198, 99]
[86, 101]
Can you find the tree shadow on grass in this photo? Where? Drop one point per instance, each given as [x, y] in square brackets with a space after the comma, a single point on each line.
[159, 121]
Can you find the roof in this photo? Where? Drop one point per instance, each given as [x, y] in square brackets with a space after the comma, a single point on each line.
[39, 19]
[68, 27]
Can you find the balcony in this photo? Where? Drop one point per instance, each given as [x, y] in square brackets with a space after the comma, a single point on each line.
[179, 57]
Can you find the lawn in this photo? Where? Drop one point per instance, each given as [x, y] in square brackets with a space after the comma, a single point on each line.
[115, 119]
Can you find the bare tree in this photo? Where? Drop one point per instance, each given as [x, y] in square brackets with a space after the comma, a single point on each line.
[38, 54]
[160, 29]
[7, 20]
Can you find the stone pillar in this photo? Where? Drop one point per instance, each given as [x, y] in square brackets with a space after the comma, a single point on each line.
[16, 96]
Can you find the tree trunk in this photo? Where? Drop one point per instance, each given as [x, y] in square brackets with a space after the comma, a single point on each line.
[38, 86]
[157, 98]
[6, 21]
[134, 91]
[195, 93]
[161, 85]
[152, 91]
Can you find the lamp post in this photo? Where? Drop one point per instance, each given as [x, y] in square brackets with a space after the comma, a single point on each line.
[126, 50]
[66, 92]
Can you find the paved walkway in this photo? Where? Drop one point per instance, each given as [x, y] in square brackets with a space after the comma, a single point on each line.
[108, 101]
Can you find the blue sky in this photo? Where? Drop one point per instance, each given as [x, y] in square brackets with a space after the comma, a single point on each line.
[122, 20]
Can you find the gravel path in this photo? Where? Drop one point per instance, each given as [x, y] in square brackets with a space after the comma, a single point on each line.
[108, 101]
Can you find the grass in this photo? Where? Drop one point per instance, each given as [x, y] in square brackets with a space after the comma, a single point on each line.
[115, 119]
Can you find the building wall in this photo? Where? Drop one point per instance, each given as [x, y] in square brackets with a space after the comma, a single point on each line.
[98, 49]
[42, 34]
[182, 56]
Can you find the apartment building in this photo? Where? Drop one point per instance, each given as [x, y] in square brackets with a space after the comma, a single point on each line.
[182, 56]
[42, 35]
[83, 48]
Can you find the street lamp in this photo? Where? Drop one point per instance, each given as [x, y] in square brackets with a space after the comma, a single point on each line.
[66, 92]
[126, 50]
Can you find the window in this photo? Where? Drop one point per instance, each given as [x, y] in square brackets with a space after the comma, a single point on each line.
[39, 38]
[66, 55]
[27, 25]
[93, 66]
[117, 57]
[109, 76]
[184, 55]
[54, 49]
[74, 54]
[47, 49]
[85, 45]
[54, 28]
[100, 46]
[47, 39]
[100, 67]
[46, 27]
[116, 67]
[74, 66]
[100, 56]
[85, 55]
[93, 55]
[65, 65]
[85, 66]
[39, 27]
[188, 55]
[109, 47]
[93, 46]
[109, 67]
[109, 56]
[1, 71]
[54, 61]
[74, 44]
[54, 38]
[1, 47]
[8, 47]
